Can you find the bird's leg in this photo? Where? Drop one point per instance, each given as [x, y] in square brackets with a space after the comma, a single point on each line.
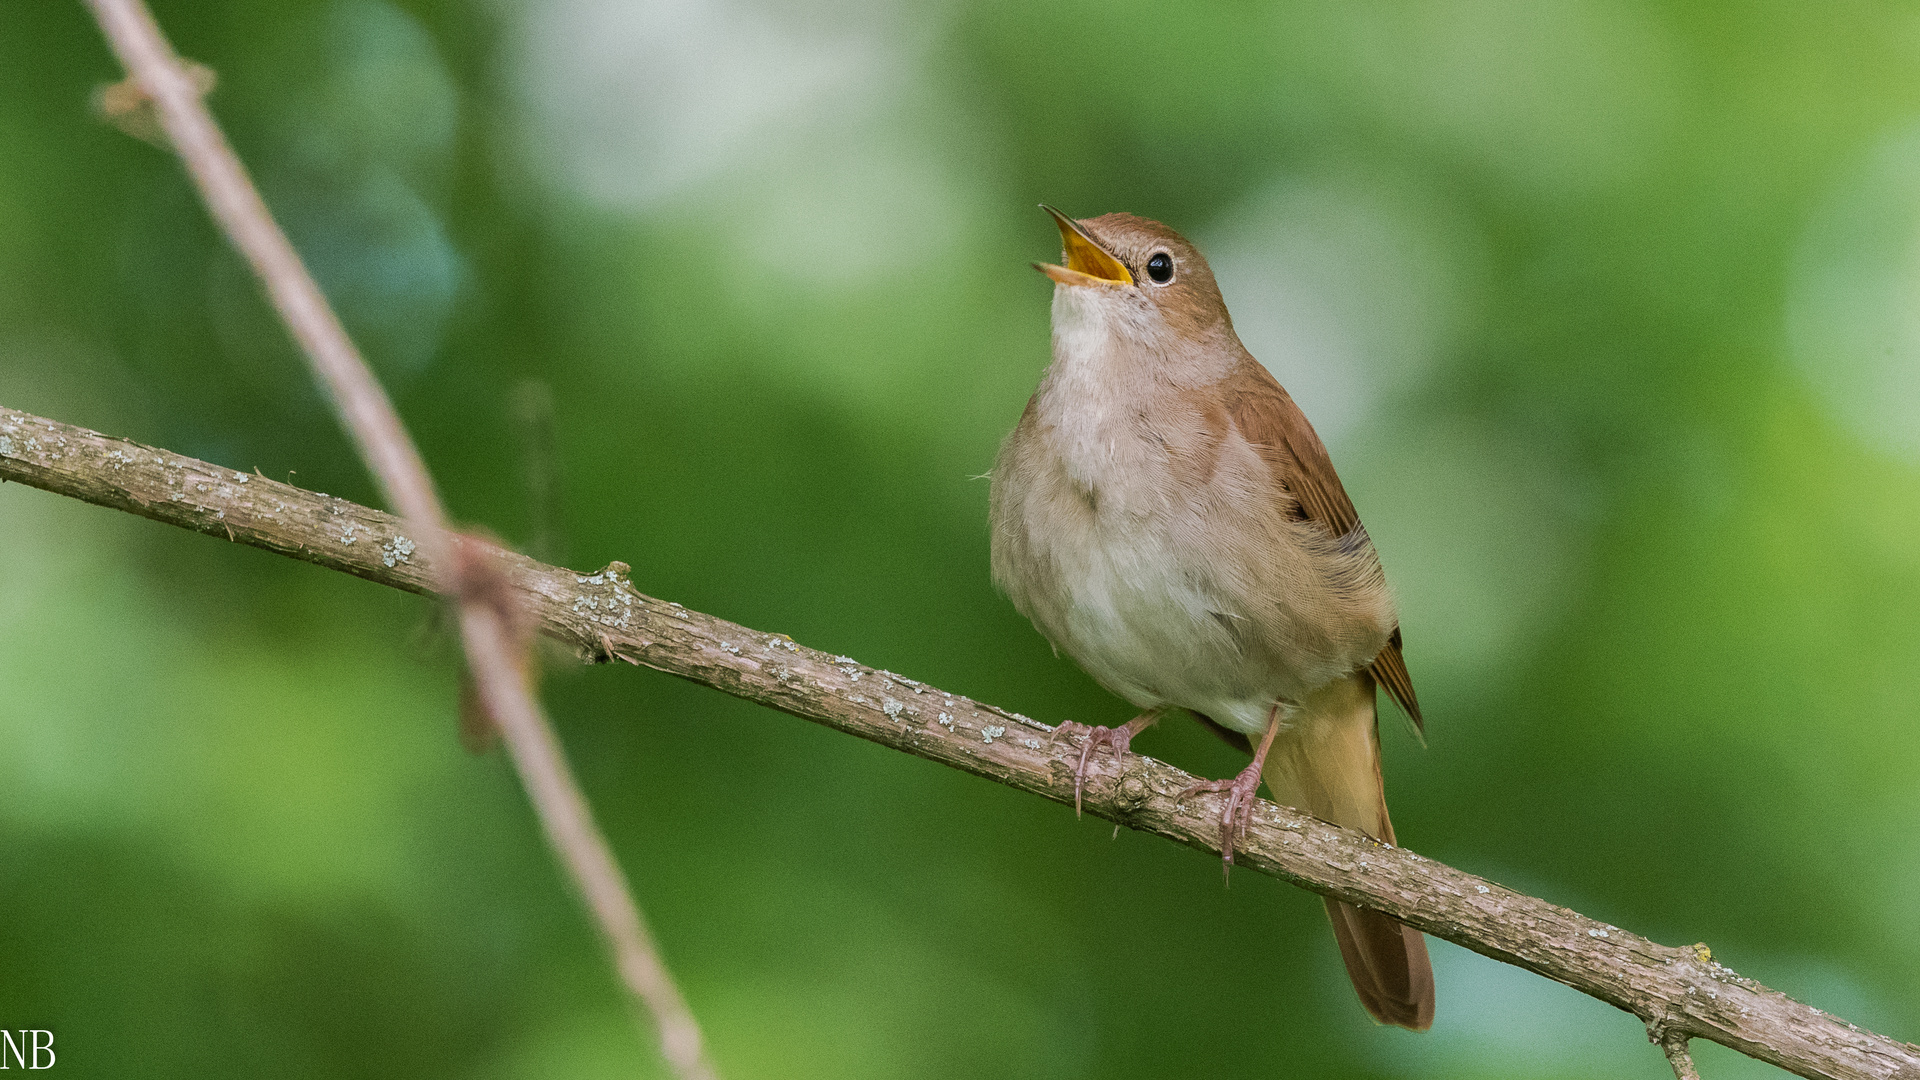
[1120, 738]
[1242, 791]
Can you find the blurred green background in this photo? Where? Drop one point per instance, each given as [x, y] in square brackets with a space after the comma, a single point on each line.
[1610, 312]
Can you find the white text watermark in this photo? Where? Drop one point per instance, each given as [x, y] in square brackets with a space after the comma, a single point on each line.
[26, 1048]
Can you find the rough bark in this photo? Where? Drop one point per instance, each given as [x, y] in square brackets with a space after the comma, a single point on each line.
[1677, 992]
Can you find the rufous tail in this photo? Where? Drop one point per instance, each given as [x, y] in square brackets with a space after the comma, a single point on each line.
[1327, 763]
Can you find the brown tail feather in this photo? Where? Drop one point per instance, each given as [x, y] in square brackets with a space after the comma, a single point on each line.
[1388, 965]
[1328, 764]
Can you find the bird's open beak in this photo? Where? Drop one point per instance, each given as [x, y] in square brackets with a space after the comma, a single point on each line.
[1087, 262]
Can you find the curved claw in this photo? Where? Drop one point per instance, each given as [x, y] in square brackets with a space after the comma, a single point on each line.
[1236, 814]
[1120, 739]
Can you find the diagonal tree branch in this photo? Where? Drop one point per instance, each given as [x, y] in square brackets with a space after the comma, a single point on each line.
[1679, 993]
[488, 616]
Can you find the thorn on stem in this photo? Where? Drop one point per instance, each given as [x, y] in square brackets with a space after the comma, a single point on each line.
[127, 105]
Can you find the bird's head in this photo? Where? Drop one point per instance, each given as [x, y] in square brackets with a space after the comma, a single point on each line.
[1137, 279]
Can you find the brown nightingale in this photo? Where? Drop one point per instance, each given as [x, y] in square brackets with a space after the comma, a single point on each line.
[1165, 514]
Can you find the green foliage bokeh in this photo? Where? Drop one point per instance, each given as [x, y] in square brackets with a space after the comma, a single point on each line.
[1609, 311]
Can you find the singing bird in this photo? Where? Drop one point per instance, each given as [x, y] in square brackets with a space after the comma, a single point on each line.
[1165, 515]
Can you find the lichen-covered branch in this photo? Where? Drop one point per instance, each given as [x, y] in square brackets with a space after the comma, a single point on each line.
[1680, 992]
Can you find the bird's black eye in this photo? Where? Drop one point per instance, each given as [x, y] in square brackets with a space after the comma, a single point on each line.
[1160, 268]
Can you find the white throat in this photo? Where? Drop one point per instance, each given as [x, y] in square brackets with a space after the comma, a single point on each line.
[1105, 371]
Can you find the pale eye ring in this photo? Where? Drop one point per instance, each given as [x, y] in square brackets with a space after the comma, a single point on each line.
[1160, 268]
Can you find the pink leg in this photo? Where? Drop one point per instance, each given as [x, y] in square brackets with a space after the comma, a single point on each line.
[1242, 791]
[1119, 738]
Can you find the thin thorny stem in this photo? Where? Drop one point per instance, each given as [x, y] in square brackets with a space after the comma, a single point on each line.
[493, 654]
[1674, 1045]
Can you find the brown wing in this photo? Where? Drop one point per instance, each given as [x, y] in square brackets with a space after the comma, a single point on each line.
[1266, 415]
[1268, 418]
[1391, 669]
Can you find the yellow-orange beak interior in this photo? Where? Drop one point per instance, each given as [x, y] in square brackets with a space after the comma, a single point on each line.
[1087, 262]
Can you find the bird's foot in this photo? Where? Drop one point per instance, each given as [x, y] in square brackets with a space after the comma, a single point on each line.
[1119, 738]
[1236, 813]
